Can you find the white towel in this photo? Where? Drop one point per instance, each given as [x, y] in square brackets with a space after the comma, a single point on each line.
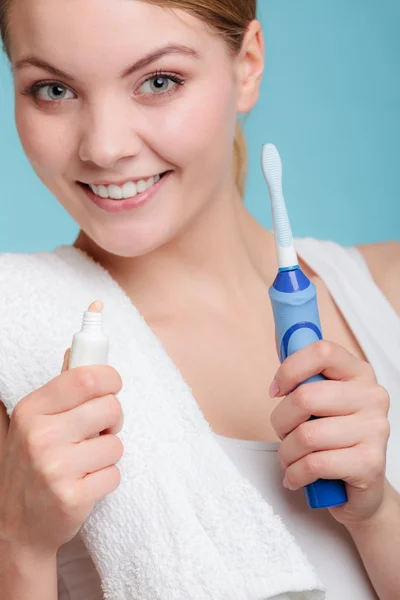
[183, 524]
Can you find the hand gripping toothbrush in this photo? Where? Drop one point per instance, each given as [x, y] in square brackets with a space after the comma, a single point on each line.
[294, 304]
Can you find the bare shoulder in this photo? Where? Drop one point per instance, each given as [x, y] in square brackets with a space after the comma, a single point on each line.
[383, 260]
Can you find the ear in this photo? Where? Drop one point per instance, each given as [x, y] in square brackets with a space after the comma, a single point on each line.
[250, 67]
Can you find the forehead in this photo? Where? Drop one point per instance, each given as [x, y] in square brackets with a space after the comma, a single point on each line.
[97, 31]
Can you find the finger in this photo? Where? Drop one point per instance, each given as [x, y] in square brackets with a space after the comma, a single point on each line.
[319, 399]
[117, 427]
[358, 466]
[97, 485]
[73, 388]
[66, 360]
[328, 358]
[90, 418]
[322, 434]
[96, 454]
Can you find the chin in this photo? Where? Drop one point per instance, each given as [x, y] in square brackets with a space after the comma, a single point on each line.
[130, 243]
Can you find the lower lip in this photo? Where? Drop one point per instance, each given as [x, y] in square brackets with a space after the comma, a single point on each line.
[128, 203]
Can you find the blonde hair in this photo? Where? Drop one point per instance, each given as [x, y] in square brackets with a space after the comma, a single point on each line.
[228, 18]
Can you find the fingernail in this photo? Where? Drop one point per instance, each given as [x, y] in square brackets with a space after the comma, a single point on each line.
[285, 483]
[274, 389]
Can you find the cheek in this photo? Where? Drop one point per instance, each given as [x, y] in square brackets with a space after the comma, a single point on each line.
[201, 130]
[45, 139]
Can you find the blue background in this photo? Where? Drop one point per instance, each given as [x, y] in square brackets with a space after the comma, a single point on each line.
[330, 102]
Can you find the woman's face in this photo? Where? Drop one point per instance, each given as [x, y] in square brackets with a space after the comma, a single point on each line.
[93, 109]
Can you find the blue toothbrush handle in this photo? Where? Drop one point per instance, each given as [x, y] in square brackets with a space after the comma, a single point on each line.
[294, 304]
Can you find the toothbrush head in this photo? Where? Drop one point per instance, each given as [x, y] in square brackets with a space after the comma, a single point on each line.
[272, 169]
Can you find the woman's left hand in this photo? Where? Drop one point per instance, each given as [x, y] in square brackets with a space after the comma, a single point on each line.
[348, 442]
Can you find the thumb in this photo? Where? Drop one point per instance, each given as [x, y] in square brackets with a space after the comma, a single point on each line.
[66, 360]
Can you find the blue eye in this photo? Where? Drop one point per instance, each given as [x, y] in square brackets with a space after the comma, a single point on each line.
[160, 84]
[51, 92]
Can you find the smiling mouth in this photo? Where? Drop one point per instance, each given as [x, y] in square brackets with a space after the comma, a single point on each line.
[129, 189]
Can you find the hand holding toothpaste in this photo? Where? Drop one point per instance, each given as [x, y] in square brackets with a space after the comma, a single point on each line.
[54, 470]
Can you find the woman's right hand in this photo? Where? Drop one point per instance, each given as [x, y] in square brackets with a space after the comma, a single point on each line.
[53, 470]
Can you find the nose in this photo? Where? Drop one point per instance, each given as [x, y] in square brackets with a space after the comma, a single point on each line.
[109, 135]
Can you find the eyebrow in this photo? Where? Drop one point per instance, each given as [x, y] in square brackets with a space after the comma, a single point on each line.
[140, 64]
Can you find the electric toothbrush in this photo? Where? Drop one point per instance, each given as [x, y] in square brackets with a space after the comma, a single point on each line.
[294, 304]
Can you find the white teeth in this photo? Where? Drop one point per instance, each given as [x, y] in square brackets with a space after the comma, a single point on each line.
[141, 186]
[150, 183]
[128, 190]
[102, 191]
[115, 192]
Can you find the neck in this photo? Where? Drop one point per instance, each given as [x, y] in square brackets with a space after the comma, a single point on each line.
[224, 254]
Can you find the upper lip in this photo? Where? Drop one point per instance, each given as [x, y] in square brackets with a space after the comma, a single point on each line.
[123, 181]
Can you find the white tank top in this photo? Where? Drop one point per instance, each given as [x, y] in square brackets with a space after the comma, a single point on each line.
[327, 544]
